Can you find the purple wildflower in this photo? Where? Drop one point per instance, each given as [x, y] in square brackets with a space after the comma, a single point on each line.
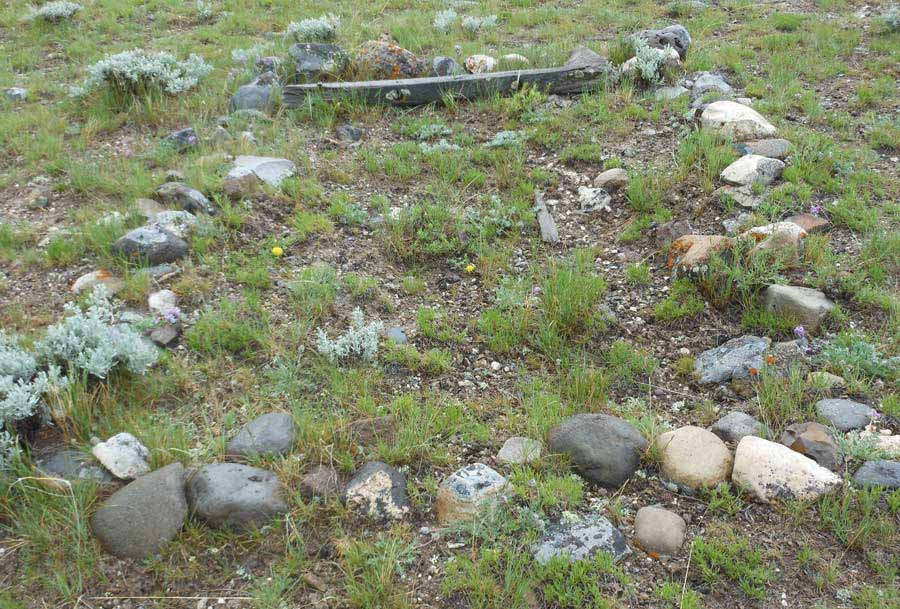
[173, 315]
[800, 332]
[817, 210]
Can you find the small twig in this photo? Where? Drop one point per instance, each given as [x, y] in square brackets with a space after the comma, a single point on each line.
[687, 570]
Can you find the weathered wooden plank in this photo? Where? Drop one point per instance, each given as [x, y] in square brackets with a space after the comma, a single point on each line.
[583, 71]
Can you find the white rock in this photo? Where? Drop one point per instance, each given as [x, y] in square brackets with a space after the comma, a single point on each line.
[761, 232]
[772, 472]
[694, 457]
[515, 58]
[468, 492]
[479, 64]
[593, 199]
[753, 169]
[177, 222]
[123, 455]
[270, 170]
[736, 120]
[162, 301]
[518, 450]
[91, 280]
[808, 306]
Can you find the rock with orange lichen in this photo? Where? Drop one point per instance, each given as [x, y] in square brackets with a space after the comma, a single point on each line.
[384, 59]
[779, 239]
[691, 251]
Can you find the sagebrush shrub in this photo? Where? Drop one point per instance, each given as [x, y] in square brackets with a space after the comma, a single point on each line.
[444, 20]
[360, 341]
[139, 72]
[54, 12]
[311, 30]
[648, 61]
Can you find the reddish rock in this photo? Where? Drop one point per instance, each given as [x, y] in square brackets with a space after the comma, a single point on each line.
[690, 251]
[385, 59]
[810, 223]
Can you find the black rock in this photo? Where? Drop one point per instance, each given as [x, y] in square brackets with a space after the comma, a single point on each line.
[604, 449]
[878, 473]
[315, 59]
[270, 434]
[151, 245]
[234, 495]
[581, 540]
[185, 197]
[378, 491]
[675, 36]
[251, 97]
[182, 140]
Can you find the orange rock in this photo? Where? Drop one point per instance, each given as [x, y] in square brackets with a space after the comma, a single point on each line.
[809, 222]
[690, 251]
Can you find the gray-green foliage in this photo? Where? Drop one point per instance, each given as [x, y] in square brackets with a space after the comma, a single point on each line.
[360, 341]
[310, 30]
[138, 71]
[54, 12]
[648, 61]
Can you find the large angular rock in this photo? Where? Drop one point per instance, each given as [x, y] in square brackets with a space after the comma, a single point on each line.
[659, 531]
[386, 60]
[773, 472]
[674, 36]
[732, 360]
[151, 245]
[814, 441]
[809, 222]
[270, 170]
[808, 306]
[753, 169]
[187, 198]
[736, 120]
[468, 492]
[735, 425]
[251, 97]
[378, 491]
[234, 495]
[845, 415]
[271, 434]
[315, 60]
[694, 458]
[123, 455]
[878, 473]
[690, 252]
[604, 449]
[139, 519]
[581, 540]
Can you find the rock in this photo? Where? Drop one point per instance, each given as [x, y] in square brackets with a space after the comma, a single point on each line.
[164, 334]
[745, 196]
[480, 64]
[612, 180]
[349, 133]
[845, 415]
[322, 481]
[241, 183]
[272, 171]
[737, 224]
[594, 199]
[251, 97]
[468, 492]
[581, 540]
[151, 245]
[786, 356]
[814, 441]
[513, 59]
[772, 472]
[178, 222]
[161, 272]
[694, 458]
[266, 78]
[73, 466]
[659, 531]
[669, 232]
[774, 148]
[386, 60]
[668, 93]
[890, 444]
[16, 94]
[732, 360]
[674, 36]
[173, 175]
[810, 223]
[446, 66]
[89, 281]
[585, 58]
[123, 455]
[234, 495]
[139, 519]
[270, 434]
[182, 140]
[378, 491]
[315, 60]
[735, 425]
[825, 380]
[605, 450]
[371, 431]
[187, 198]
[737, 121]
[162, 301]
[518, 451]
[753, 169]
[148, 208]
[807, 306]
[781, 239]
[690, 252]
[885, 474]
[708, 82]
[396, 335]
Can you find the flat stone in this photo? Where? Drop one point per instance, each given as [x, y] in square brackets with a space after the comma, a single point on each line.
[774, 148]
[321, 482]
[189, 199]
[773, 472]
[694, 458]
[151, 245]
[251, 97]
[593, 199]
[89, 281]
[709, 82]
[845, 415]
[241, 183]
[468, 492]
[123, 455]
[673, 36]
[271, 434]
[480, 64]
[139, 519]
[807, 306]
[16, 94]
[314, 60]
[582, 57]
[519, 451]
[736, 120]
[753, 169]
[885, 474]
[781, 239]
[73, 466]
[581, 540]
[378, 491]
[659, 531]
[814, 441]
[735, 425]
[745, 196]
[810, 223]
[234, 495]
[604, 449]
[612, 180]
[732, 360]
[690, 252]
[270, 170]
[668, 93]
[162, 301]
[164, 334]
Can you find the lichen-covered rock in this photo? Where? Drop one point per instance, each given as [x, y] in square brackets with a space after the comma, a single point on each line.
[151, 245]
[733, 360]
[691, 252]
[581, 540]
[468, 492]
[773, 472]
[378, 491]
[480, 64]
[604, 449]
[88, 281]
[753, 169]
[123, 455]
[386, 60]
